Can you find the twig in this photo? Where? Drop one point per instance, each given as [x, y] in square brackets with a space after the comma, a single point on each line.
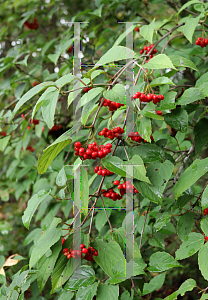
[183, 164]
[169, 41]
[106, 215]
[125, 150]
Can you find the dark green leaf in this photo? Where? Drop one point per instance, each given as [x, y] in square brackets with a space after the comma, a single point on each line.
[190, 246]
[178, 119]
[195, 171]
[154, 284]
[87, 293]
[185, 225]
[82, 277]
[162, 261]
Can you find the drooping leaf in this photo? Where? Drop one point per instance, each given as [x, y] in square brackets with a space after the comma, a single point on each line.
[32, 206]
[162, 261]
[190, 246]
[202, 261]
[147, 31]
[177, 119]
[48, 239]
[87, 293]
[190, 95]
[107, 291]
[185, 225]
[160, 61]
[82, 277]
[195, 171]
[154, 284]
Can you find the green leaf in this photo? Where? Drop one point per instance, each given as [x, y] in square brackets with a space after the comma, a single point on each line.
[160, 61]
[23, 62]
[32, 206]
[187, 4]
[84, 191]
[66, 79]
[101, 219]
[82, 277]
[190, 95]
[144, 128]
[180, 61]
[61, 178]
[204, 226]
[123, 36]
[147, 31]
[87, 293]
[159, 175]
[146, 191]
[169, 101]
[201, 134]
[53, 150]
[190, 246]
[154, 284]
[48, 239]
[187, 285]
[157, 241]
[66, 295]
[149, 111]
[107, 259]
[190, 26]
[162, 220]
[162, 261]
[19, 90]
[116, 94]
[178, 119]
[49, 107]
[204, 201]
[87, 97]
[203, 79]
[115, 54]
[46, 264]
[31, 93]
[116, 165]
[76, 87]
[195, 171]
[107, 291]
[88, 109]
[3, 142]
[160, 81]
[185, 225]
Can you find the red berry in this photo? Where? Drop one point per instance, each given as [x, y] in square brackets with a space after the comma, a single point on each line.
[84, 250]
[82, 246]
[63, 240]
[116, 182]
[65, 250]
[77, 144]
[69, 256]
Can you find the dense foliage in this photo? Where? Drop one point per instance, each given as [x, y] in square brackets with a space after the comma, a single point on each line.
[103, 149]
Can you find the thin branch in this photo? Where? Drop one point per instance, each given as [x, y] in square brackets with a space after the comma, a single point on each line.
[183, 164]
[106, 215]
[169, 41]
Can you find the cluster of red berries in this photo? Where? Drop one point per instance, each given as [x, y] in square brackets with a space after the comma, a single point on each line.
[124, 188]
[158, 112]
[93, 150]
[148, 98]
[55, 128]
[205, 211]
[135, 136]
[147, 49]
[127, 186]
[30, 148]
[70, 49]
[113, 106]
[34, 121]
[112, 194]
[103, 172]
[88, 252]
[3, 133]
[116, 132]
[35, 83]
[33, 25]
[202, 42]
[86, 89]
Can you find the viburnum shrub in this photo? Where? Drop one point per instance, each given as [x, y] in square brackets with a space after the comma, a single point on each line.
[104, 153]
